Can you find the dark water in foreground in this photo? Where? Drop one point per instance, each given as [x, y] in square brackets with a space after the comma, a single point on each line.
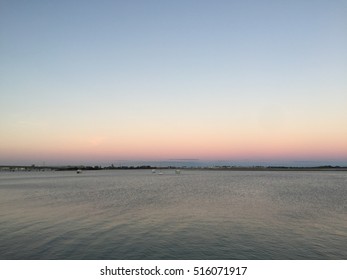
[195, 215]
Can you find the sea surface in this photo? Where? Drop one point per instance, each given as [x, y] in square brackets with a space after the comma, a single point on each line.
[134, 214]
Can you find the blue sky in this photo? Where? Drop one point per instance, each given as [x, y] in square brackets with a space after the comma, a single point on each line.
[100, 79]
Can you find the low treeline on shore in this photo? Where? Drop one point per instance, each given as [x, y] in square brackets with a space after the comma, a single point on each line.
[226, 168]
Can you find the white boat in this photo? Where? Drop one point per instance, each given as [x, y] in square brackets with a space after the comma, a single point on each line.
[78, 171]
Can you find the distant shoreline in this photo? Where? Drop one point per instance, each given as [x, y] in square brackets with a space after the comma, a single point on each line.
[14, 168]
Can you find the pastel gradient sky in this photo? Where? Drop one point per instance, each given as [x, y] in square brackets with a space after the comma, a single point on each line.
[153, 80]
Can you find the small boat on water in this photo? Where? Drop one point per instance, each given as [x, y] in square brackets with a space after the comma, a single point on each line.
[78, 171]
[178, 171]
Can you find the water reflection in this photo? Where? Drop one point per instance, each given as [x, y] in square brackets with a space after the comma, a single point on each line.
[194, 215]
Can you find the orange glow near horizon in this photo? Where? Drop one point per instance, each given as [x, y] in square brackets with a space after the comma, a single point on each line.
[169, 145]
[204, 138]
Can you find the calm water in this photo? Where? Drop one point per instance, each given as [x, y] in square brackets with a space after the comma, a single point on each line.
[195, 215]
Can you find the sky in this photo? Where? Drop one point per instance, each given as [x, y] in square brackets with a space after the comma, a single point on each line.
[100, 81]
